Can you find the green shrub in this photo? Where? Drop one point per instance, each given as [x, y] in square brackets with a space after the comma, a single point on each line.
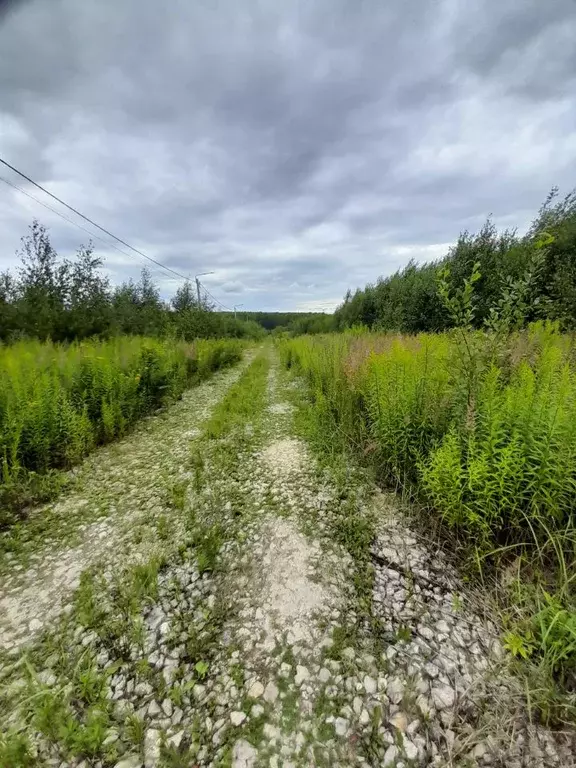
[481, 430]
[58, 402]
[487, 458]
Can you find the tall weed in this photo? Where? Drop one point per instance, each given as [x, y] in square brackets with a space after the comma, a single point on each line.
[482, 431]
[58, 402]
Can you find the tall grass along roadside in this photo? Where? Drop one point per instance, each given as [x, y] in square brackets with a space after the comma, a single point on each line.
[484, 436]
[58, 402]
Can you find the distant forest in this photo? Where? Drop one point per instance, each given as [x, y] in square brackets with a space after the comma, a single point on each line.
[296, 322]
[68, 299]
[531, 276]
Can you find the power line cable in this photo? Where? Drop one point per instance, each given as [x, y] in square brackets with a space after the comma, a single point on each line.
[93, 223]
[66, 218]
[207, 292]
[90, 221]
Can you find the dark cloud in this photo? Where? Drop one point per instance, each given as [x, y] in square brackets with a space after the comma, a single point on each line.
[294, 148]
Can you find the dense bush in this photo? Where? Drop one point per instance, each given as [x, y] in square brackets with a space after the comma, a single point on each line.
[480, 430]
[408, 301]
[488, 458]
[58, 402]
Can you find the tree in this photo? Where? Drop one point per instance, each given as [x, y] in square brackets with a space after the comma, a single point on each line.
[43, 285]
[8, 312]
[185, 298]
[151, 309]
[89, 310]
[125, 302]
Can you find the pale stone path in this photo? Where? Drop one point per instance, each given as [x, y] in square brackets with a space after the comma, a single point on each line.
[262, 641]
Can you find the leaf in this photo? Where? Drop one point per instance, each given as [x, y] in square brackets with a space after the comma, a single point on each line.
[518, 645]
[201, 668]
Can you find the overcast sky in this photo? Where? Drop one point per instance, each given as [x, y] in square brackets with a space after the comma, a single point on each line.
[294, 148]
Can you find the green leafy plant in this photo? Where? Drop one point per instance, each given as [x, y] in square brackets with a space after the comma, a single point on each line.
[201, 668]
[519, 645]
[58, 402]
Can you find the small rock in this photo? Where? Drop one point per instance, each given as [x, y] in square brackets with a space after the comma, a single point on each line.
[410, 749]
[175, 740]
[364, 717]
[153, 709]
[151, 748]
[47, 677]
[199, 691]
[111, 737]
[370, 685]
[285, 669]
[271, 732]
[399, 721]
[257, 710]
[390, 757]
[450, 737]
[395, 690]
[324, 675]
[431, 670]
[271, 693]
[413, 727]
[479, 751]
[302, 674]
[341, 726]
[423, 705]
[443, 697]
[256, 690]
[237, 717]
[243, 755]
[34, 625]
[132, 761]
[143, 689]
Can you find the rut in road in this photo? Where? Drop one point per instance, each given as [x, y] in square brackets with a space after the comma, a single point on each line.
[282, 614]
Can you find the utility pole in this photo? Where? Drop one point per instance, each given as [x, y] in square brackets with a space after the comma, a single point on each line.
[198, 286]
[235, 306]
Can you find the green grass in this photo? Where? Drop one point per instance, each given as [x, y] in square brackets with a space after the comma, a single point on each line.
[243, 401]
[58, 402]
[480, 431]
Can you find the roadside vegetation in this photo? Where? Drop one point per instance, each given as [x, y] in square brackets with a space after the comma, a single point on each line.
[58, 402]
[479, 430]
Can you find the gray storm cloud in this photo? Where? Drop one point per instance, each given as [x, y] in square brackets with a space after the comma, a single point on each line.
[295, 149]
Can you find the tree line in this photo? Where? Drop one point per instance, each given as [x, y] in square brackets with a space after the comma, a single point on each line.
[67, 299]
[292, 321]
[532, 276]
